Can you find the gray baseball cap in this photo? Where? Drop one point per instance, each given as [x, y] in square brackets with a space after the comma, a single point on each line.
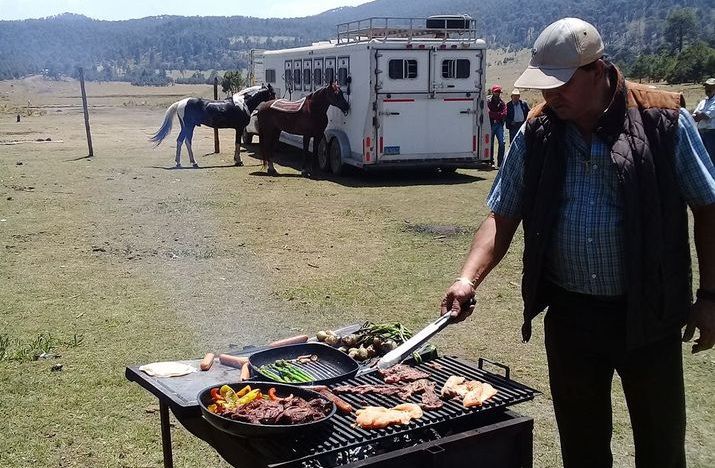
[710, 82]
[559, 51]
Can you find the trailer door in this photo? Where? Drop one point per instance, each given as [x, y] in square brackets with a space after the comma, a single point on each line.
[416, 123]
[403, 71]
[457, 71]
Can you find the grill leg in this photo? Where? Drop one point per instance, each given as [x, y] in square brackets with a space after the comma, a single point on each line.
[526, 442]
[165, 434]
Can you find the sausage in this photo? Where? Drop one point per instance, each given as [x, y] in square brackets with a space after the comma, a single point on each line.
[342, 405]
[292, 340]
[207, 362]
[245, 372]
[232, 361]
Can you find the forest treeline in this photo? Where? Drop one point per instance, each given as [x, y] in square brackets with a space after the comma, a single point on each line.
[651, 39]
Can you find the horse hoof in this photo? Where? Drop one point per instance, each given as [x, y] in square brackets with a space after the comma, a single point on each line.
[272, 172]
[195, 166]
[238, 163]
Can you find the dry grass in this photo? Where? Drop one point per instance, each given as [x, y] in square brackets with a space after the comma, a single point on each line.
[149, 264]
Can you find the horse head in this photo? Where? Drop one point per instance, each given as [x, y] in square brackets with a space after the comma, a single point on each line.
[265, 93]
[336, 97]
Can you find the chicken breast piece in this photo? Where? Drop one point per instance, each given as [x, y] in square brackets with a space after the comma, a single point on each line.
[378, 417]
[453, 387]
[478, 395]
[471, 392]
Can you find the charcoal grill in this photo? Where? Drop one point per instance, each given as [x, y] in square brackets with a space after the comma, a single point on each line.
[452, 436]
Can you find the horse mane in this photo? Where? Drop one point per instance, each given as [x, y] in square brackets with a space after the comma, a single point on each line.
[256, 98]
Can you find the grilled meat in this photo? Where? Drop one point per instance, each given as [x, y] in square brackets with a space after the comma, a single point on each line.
[430, 399]
[291, 410]
[387, 390]
[402, 373]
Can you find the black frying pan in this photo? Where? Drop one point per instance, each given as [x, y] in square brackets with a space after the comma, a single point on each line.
[245, 429]
[332, 365]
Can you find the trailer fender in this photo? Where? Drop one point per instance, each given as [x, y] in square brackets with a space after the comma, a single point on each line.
[335, 135]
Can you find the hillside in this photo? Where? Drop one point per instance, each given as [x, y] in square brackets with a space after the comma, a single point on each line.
[58, 45]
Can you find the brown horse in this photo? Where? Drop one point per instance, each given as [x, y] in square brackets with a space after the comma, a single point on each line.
[307, 117]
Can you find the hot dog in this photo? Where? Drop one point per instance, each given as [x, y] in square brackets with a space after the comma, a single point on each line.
[207, 362]
[341, 404]
[245, 372]
[232, 361]
[292, 340]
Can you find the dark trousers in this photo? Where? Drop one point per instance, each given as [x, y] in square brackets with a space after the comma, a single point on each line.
[498, 136]
[708, 137]
[585, 343]
[513, 130]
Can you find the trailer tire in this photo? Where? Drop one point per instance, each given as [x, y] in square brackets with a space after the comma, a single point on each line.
[324, 155]
[247, 137]
[337, 167]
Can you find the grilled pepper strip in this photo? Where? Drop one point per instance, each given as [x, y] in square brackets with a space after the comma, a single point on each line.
[229, 395]
[243, 391]
[249, 397]
[272, 394]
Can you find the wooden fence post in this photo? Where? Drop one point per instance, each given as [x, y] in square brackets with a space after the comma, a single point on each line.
[86, 113]
[216, 145]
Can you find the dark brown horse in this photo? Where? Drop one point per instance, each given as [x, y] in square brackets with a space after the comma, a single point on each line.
[307, 117]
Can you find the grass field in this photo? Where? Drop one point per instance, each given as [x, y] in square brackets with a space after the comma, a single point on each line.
[119, 260]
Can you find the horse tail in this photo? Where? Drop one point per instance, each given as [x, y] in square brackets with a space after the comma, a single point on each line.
[165, 129]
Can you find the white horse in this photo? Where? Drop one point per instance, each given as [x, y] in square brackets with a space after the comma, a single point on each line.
[231, 113]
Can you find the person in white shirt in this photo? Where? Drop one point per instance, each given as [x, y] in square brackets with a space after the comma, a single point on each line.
[516, 112]
[704, 115]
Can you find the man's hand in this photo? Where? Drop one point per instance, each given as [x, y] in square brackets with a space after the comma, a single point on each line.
[456, 301]
[702, 317]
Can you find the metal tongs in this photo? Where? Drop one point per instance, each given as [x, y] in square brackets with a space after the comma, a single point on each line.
[406, 349]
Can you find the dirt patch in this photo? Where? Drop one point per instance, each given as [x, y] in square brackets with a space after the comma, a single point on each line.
[438, 230]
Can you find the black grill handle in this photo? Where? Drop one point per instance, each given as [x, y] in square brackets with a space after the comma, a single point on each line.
[501, 366]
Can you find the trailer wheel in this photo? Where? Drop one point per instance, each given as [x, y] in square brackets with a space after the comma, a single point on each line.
[324, 155]
[247, 137]
[336, 157]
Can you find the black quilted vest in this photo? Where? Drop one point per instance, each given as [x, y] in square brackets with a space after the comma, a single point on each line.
[640, 127]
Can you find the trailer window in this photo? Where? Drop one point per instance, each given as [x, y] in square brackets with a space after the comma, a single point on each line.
[270, 76]
[342, 76]
[318, 77]
[400, 69]
[306, 78]
[296, 77]
[329, 75]
[455, 68]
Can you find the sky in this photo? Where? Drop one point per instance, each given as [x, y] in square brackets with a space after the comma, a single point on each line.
[128, 9]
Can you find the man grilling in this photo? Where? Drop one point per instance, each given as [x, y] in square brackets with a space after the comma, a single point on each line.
[601, 175]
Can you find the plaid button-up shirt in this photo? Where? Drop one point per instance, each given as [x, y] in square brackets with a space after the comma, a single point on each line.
[587, 250]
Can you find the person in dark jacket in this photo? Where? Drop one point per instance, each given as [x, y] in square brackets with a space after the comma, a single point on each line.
[497, 115]
[516, 112]
[602, 175]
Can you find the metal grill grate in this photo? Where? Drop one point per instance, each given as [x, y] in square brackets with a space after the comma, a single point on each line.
[344, 436]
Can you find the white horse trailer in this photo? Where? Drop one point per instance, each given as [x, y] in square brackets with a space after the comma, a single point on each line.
[415, 86]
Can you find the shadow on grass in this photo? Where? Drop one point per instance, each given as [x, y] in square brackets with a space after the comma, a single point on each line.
[353, 177]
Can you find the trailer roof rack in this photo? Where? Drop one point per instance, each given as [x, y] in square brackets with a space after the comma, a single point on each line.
[440, 28]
